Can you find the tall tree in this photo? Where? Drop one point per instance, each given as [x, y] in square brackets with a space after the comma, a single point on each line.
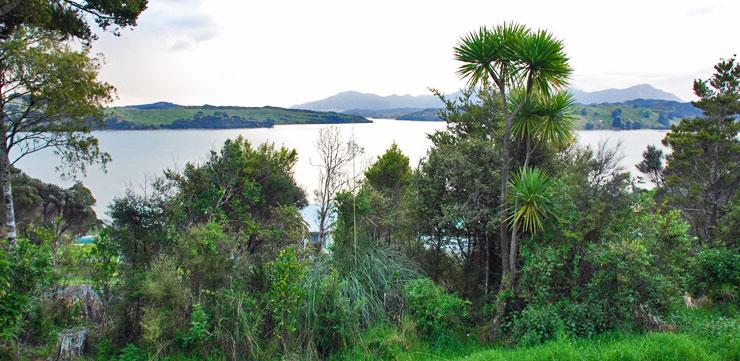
[249, 190]
[335, 153]
[701, 176]
[50, 98]
[69, 18]
[652, 165]
[513, 58]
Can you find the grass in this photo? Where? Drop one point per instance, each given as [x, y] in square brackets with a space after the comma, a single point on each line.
[621, 347]
[608, 347]
[701, 335]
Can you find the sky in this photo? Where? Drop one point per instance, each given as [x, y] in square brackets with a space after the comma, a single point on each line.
[281, 53]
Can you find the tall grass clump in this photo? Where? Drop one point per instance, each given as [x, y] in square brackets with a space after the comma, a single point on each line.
[347, 294]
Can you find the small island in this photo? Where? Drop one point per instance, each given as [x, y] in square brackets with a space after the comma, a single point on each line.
[164, 115]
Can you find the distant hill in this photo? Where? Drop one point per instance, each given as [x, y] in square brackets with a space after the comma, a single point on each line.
[632, 114]
[164, 115]
[352, 100]
[641, 91]
[356, 100]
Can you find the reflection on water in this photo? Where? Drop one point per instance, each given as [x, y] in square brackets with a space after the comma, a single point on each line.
[141, 155]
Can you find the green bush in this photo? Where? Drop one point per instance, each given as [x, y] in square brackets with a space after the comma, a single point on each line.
[435, 311]
[537, 324]
[132, 353]
[199, 331]
[628, 282]
[167, 301]
[285, 296]
[716, 274]
[582, 319]
[24, 273]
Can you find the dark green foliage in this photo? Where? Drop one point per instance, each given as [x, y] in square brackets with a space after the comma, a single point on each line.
[38, 204]
[456, 197]
[701, 175]
[70, 19]
[716, 274]
[51, 99]
[284, 296]
[391, 173]
[384, 200]
[101, 262]
[249, 191]
[537, 324]
[652, 165]
[25, 273]
[436, 312]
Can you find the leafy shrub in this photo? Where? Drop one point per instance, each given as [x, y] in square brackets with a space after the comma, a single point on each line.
[132, 353]
[716, 274]
[198, 332]
[24, 273]
[101, 262]
[537, 324]
[582, 319]
[167, 300]
[628, 281]
[285, 295]
[435, 311]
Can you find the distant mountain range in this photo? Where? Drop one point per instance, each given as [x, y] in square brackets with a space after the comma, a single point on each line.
[637, 107]
[356, 100]
[631, 114]
[641, 91]
[352, 100]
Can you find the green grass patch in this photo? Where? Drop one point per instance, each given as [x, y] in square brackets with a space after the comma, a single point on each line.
[620, 347]
[156, 117]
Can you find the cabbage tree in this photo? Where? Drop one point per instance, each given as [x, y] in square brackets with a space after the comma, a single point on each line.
[512, 58]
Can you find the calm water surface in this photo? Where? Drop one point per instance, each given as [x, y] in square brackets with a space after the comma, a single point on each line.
[141, 155]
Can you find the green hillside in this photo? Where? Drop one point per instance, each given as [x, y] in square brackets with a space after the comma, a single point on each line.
[167, 115]
[633, 114]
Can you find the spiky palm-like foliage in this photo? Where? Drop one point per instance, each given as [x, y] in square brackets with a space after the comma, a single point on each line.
[531, 191]
[544, 119]
[512, 55]
[490, 54]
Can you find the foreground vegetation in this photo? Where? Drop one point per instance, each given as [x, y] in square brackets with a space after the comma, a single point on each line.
[507, 241]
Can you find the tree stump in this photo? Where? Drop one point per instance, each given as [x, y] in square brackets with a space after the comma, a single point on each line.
[71, 345]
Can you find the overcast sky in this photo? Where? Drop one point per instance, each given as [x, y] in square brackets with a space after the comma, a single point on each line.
[275, 52]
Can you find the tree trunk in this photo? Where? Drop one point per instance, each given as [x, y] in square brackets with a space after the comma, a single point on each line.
[488, 267]
[7, 194]
[503, 229]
